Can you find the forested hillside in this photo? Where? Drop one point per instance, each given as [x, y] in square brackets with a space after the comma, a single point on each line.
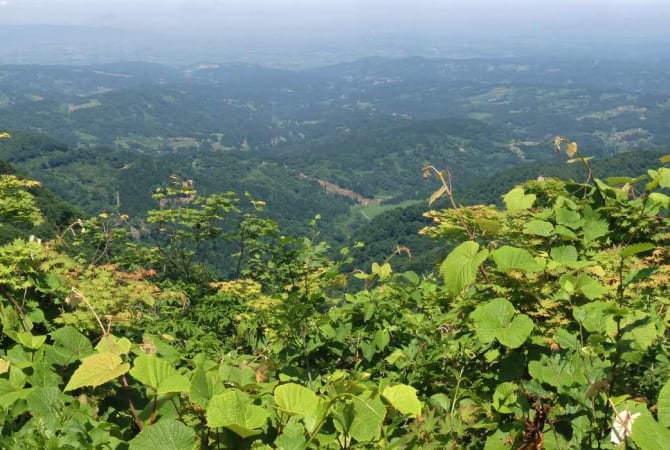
[383, 253]
[544, 326]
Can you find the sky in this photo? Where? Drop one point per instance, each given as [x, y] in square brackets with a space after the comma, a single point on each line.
[332, 18]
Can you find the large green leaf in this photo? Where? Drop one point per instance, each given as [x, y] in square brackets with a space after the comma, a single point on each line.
[660, 177]
[512, 258]
[593, 316]
[368, 417]
[69, 346]
[647, 433]
[111, 343]
[636, 328]
[202, 387]
[594, 226]
[29, 340]
[518, 200]
[10, 393]
[500, 440]
[96, 370]
[240, 377]
[664, 405]
[166, 434]
[292, 436]
[233, 409]
[153, 371]
[498, 319]
[568, 218]
[658, 200]
[636, 248]
[538, 228]
[564, 254]
[590, 287]
[176, 383]
[508, 399]
[295, 399]
[557, 370]
[404, 399]
[461, 266]
[47, 404]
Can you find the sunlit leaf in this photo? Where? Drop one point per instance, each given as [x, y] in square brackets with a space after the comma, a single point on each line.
[518, 200]
[166, 434]
[461, 266]
[96, 370]
[233, 409]
[499, 320]
[403, 398]
[511, 258]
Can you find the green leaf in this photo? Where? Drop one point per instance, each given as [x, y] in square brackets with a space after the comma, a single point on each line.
[11, 392]
[292, 437]
[96, 370]
[396, 356]
[568, 218]
[661, 200]
[236, 375]
[565, 254]
[69, 345]
[368, 417]
[500, 440]
[498, 319]
[647, 433]
[153, 371]
[5, 365]
[27, 339]
[368, 349]
[176, 383]
[664, 177]
[517, 200]
[381, 339]
[638, 328]
[664, 405]
[440, 401]
[461, 266]
[202, 387]
[574, 160]
[565, 233]
[403, 398]
[556, 371]
[538, 228]
[594, 229]
[620, 180]
[636, 248]
[113, 344]
[589, 287]
[512, 258]
[47, 403]
[295, 399]
[660, 177]
[567, 340]
[506, 399]
[639, 274]
[593, 316]
[233, 409]
[166, 434]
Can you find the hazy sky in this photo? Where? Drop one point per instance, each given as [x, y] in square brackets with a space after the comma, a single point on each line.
[332, 17]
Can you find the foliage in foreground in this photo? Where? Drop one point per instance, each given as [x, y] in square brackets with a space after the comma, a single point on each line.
[546, 328]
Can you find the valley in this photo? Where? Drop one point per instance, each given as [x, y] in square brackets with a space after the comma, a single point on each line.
[346, 141]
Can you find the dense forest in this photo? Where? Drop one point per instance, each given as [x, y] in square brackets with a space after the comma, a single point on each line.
[417, 253]
[346, 142]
